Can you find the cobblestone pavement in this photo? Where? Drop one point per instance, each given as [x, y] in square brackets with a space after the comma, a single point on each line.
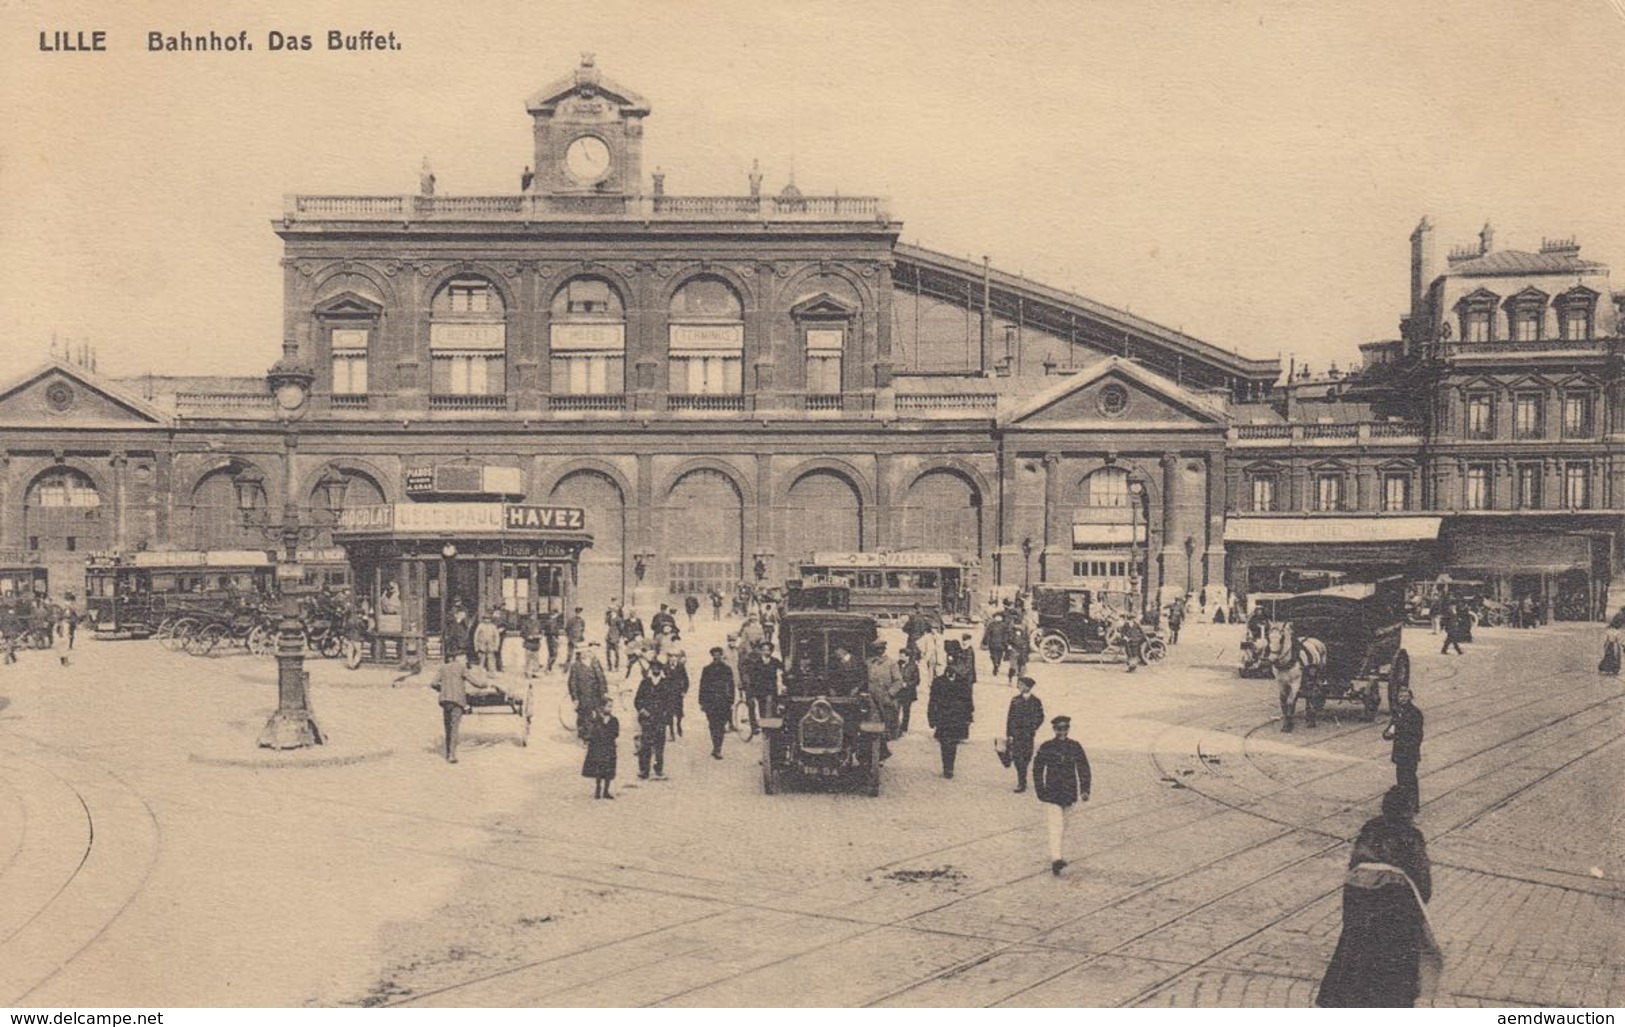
[1205, 872]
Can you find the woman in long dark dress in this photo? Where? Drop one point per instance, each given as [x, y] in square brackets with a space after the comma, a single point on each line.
[602, 731]
[1386, 949]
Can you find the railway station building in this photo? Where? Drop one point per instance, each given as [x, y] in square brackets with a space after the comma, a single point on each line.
[718, 387]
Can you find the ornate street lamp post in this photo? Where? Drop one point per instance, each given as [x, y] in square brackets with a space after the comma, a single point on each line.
[292, 726]
[1027, 564]
[1190, 557]
[1136, 580]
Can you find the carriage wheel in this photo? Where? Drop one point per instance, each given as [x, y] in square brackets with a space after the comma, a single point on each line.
[261, 640]
[1155, 649]
[1052, 648]
[331, 645]
[175, 637]
[202, 641]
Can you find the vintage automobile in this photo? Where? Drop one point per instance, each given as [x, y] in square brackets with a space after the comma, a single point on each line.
[1080, 620]
[824, 727]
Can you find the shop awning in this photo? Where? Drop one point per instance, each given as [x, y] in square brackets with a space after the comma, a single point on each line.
[1303, 530]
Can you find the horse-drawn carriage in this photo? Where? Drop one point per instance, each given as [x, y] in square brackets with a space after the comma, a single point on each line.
[1081, 621]
[1340, 642]
[825, 727]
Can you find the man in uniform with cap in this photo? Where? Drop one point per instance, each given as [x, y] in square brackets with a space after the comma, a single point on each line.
[1021, 726]
[717, 696]
[575, 633]
[1061, 779]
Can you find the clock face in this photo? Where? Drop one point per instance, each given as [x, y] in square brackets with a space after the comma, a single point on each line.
[587, 159]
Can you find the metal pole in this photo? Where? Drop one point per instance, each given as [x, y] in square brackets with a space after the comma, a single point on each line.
[292, 726]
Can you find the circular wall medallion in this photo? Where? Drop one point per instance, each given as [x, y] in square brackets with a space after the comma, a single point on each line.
[1113, 400]
[59, 396]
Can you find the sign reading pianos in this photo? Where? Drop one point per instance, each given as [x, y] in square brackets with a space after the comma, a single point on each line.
[460, 519]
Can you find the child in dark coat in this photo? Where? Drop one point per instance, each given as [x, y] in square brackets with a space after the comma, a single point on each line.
[602, 731]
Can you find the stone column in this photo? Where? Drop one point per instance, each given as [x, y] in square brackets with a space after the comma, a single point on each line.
[1168, 566]
[1551, 486]
[1056, 540]
[765, 528]
[1213, 556]
[120, 462]
[884, 533]
[163, 495]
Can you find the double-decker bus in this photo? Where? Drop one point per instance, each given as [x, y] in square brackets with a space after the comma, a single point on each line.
[889, 585]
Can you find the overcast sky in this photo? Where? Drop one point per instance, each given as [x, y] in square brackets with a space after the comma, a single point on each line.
[1246, 171]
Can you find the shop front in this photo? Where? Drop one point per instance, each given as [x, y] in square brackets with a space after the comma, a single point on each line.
[422, 569]
[1265, 551]
[1561, 563]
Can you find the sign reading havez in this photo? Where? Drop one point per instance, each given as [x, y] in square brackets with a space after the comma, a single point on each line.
[453, 518]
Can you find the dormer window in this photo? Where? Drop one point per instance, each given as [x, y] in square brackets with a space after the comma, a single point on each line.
[1575, 310]
[1526, 314]
[1477, 314]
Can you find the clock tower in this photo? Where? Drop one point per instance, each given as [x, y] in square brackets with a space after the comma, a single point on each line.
[589, 137]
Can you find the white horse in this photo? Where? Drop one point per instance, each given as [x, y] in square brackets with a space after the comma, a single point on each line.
[1298, 664]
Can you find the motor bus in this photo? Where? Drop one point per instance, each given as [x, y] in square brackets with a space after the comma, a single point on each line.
[888, 586]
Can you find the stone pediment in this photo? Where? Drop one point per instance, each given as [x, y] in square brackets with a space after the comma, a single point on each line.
[1118, 395]
[822, 305]
[585, 86]
[62, 395]
[349, 304]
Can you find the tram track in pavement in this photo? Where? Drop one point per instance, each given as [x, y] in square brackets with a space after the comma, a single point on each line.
[35, 951]
[1337, 841]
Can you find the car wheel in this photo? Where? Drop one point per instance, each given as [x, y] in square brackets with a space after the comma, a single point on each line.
[1052, 648]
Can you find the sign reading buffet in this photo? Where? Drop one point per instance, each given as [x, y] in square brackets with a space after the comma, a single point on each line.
[440, 518]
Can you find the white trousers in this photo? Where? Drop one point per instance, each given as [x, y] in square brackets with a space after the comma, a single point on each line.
[1057, 816]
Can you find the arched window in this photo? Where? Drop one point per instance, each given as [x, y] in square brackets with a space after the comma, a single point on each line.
[63, 513]
[588, 339]
[467, 339]
[1106, 487]
[707, 343]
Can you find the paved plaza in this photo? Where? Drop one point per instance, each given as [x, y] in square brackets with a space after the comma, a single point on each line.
[141, 832]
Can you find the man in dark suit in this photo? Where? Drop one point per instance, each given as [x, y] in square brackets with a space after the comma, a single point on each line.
[654, 701]
[1061, 779]
[1021, 726]
[1405, 730]
[717, 697]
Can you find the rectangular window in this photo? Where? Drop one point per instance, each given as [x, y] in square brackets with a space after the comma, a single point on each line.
[824, 347]
[1526, 415]
[1577, 416]
[707, 375]
[467, 374]
[707, 360]
[1328, 492]
[1576, 325]
[1577, 487]
[350, 361]
[470, 299]
[588, 359]
[1263, 494]
[1526, 326]
[1476, 327]
[1480, 416]
[1477, 491]
[1529, 486]
[1396, 492]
